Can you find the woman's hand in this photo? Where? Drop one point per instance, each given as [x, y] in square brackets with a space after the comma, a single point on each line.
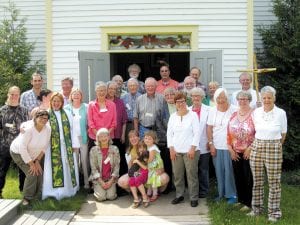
[33, 169]
[191, 153]
[246, 154]
[172, 154]
[38, 167]
[213, 151]
[234, 155]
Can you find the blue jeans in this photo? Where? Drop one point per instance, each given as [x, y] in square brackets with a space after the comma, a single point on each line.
[224, 173]
[203, 174]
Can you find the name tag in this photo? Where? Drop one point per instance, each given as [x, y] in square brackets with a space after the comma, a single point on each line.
[128, 106]
[149, 114]
[9, 125]
[106, 160]
[103, 110]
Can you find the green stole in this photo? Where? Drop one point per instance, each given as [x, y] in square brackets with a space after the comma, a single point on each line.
[56, 161]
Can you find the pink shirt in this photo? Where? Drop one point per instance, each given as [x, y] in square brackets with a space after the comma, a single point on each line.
[161, 86]
[240, 134]
[106, 166]
[104, 118]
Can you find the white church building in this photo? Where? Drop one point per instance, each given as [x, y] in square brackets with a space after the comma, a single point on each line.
[92, 40]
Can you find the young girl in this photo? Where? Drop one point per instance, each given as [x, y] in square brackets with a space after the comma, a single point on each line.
[155, 165]
[138, 175]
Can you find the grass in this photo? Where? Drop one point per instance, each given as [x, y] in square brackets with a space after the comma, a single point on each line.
[223, 214]
[11, 191]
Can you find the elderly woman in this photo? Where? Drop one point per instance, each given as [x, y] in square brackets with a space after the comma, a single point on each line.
[169, 94]
[78, 111]
[202, 111]
[12, 114]
[61, 177]
[28, 150]
[240, 135]
[270, 124]
[212, 87]
[105, 165]
[101, 113]
[183, 136]
[217, 122]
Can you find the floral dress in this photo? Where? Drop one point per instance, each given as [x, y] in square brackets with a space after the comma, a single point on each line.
[157, 163]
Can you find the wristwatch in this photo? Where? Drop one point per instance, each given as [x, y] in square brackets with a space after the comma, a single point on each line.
[210, 143]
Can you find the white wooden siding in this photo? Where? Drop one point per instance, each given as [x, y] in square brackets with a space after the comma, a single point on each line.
[263, 15]
[34, 11]
[76, 27]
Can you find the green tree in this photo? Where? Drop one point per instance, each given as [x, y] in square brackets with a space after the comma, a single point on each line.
[281, 49]
[16, 65]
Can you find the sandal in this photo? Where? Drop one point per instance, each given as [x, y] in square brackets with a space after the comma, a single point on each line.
[136, 203]
[153, 198]
[146, 203]
[25, 202]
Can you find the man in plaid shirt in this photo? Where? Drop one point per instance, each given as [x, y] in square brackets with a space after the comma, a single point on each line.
[29, 98]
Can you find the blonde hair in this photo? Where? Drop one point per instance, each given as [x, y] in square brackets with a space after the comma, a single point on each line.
[12, 88]
[76, 90]
[152, 134]
[61, 98]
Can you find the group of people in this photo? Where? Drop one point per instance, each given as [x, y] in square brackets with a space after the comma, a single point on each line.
[171, 130]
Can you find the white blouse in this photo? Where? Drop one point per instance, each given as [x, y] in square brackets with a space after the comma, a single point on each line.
[32, 142]
[269, 125]
[183, 132]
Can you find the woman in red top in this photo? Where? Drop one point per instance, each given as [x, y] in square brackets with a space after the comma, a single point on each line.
[101, 114]
[240, 135]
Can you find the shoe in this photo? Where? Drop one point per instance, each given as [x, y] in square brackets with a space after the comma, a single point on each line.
[273, 219]
[25, 202]
[177, 200]
[136, 203]
[194, 203]
[245, 208]
[252, 213]
[153, 198]
[231, 200]
[146, 203]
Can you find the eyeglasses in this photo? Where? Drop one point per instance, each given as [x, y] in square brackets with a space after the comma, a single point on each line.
[179, 102]
[163, 71]
[243, 99]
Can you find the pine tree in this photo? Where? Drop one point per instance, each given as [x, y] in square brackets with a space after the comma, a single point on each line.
[16, 66]
[281, 49]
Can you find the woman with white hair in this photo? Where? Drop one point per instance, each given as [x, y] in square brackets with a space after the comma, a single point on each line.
[101, 113]
[202, 111]
[105, 165]
[217, 140]
[270, 123]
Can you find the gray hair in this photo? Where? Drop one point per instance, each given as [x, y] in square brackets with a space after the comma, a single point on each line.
[215, 83]
[70, 79]
[246, 74]
[110, 83]
[218, 92]
[268, 89]
[100, 84]
[134, 66]
[102, 131]
[151, 79]
[169, 90]
[116, 76]
[197, 91]
[246, 94]
[132, 79]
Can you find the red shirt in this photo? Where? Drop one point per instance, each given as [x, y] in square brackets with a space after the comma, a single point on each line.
[97, 118]
[161, 86]
[106, 166]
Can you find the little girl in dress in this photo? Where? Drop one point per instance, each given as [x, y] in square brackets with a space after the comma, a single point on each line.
[138, 175]
[155, 165]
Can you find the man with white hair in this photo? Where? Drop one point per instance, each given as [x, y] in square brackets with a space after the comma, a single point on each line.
[134, 71]
[245, 81]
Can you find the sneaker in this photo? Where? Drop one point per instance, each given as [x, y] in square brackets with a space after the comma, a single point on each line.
[252, 213]
[25, 202]
[245, 208]
[272, 219]
[232, 200]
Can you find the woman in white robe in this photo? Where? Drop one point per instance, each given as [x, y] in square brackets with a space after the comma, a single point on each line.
[61, 177]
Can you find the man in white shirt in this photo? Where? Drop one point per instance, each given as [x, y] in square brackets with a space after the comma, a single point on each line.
[66, 86]
[245, 81]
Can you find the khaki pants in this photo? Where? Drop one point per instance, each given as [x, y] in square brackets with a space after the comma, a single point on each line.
[102, 194]
[33, 184]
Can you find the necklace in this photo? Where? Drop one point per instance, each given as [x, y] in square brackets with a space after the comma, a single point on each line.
[220, 122]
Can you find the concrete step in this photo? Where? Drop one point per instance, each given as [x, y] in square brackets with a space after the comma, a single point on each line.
[8, 210]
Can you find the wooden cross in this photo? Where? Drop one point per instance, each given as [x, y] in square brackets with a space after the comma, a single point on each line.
[256, 71]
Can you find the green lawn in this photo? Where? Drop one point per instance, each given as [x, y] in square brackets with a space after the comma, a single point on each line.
[11, 190]
[224, 214]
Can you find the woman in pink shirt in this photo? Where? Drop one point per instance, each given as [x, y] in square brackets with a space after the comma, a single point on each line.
[240, 135]
[101, 114]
